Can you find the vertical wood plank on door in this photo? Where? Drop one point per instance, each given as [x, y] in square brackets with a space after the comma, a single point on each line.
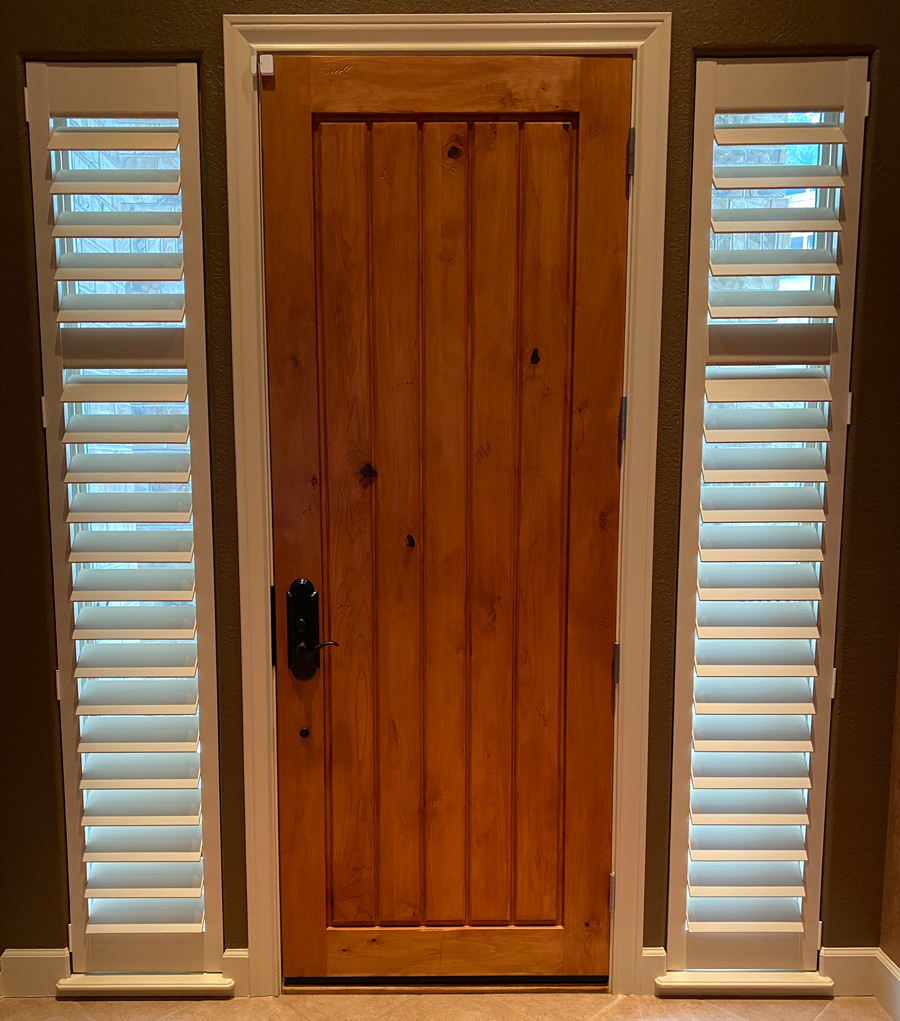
[492, 524]
[445, 184]
[397, 436]
[287, 173]
[604, 121]
[343, 179]
[545, 340]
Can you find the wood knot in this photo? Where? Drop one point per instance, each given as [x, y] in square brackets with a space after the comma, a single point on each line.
[454, 152]
[535, 357]
[366, 474]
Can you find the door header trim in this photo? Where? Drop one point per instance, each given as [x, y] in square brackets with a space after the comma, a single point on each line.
[647, 38]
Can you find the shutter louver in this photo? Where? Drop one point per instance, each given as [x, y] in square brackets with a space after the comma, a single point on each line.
[117, 213]
[774, 213]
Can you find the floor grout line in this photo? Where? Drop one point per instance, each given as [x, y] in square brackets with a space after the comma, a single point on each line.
[615, 998]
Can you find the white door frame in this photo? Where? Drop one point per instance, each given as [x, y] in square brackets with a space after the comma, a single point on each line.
[647, 38]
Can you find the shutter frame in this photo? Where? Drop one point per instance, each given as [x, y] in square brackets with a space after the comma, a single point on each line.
[181, 677]
[696, 939]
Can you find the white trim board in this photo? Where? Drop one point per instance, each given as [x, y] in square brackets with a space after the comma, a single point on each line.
[236, 967]
[33, 972]
[646, 37]
[192, 984]
[754, 984]
[863, 971]
[653, 965]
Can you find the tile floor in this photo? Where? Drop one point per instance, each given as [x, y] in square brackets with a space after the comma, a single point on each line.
[459, 1007]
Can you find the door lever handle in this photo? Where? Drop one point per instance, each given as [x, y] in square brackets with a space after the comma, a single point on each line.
[315, 648]
[303, 624]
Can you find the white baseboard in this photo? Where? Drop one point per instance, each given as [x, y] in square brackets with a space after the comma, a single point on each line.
[851, 968]
[653, 964]
[887, 985]
[236, 966]
[33, 972]
[863, 971]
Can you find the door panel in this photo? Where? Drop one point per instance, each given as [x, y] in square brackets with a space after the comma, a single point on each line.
[445, 325]
[455, 324]
[493, 454]
[399, 528]
[348, 612]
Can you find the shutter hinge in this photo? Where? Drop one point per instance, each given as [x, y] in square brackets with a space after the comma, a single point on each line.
[820, 936]
[274, 628]
[833, 681]
[868, 96]
[265, 64]
[630, 163]
[27, 111]
[615, 664]
[623, 418]
[612, 890]
[58, 692]
[849, 406]
[43, 411]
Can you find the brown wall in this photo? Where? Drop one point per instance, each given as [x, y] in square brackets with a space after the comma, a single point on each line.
[33, 910]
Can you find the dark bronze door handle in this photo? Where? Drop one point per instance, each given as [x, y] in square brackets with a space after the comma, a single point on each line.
[303, 629]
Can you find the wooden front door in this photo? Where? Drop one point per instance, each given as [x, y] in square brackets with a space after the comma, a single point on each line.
[445, 283]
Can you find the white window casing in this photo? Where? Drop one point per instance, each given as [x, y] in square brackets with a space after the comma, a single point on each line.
[774, 216]
[116, 185]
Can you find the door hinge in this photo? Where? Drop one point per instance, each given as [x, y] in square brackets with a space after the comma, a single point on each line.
[27, 111]
[612, 890]
[623, 418]
[868, 96]
[58, 692]
[630, 164]
[833, 681]
[43, 411]
[819, 947]
[274, 628]
[615, 664]
[849, 407]
[69, 935]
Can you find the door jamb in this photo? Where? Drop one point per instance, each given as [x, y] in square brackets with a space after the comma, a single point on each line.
[647, 38]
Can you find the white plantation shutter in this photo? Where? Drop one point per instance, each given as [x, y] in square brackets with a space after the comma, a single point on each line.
[115, 166]
[777, 160]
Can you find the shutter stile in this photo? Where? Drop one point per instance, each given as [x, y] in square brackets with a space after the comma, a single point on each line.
[767, 307]
[117, 339]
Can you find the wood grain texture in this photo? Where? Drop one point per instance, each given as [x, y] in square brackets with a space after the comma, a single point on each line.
[543, 366]
[444, 84]
[492, 516]
[287, 173]
[598, 351]
[445, 201]
[397, 491]
[461, 371]
[459, 951]
[344, 322]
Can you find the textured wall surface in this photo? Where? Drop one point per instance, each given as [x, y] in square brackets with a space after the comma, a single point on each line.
[32, 883]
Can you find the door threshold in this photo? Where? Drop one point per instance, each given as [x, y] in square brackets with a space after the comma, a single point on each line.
[449, 984]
